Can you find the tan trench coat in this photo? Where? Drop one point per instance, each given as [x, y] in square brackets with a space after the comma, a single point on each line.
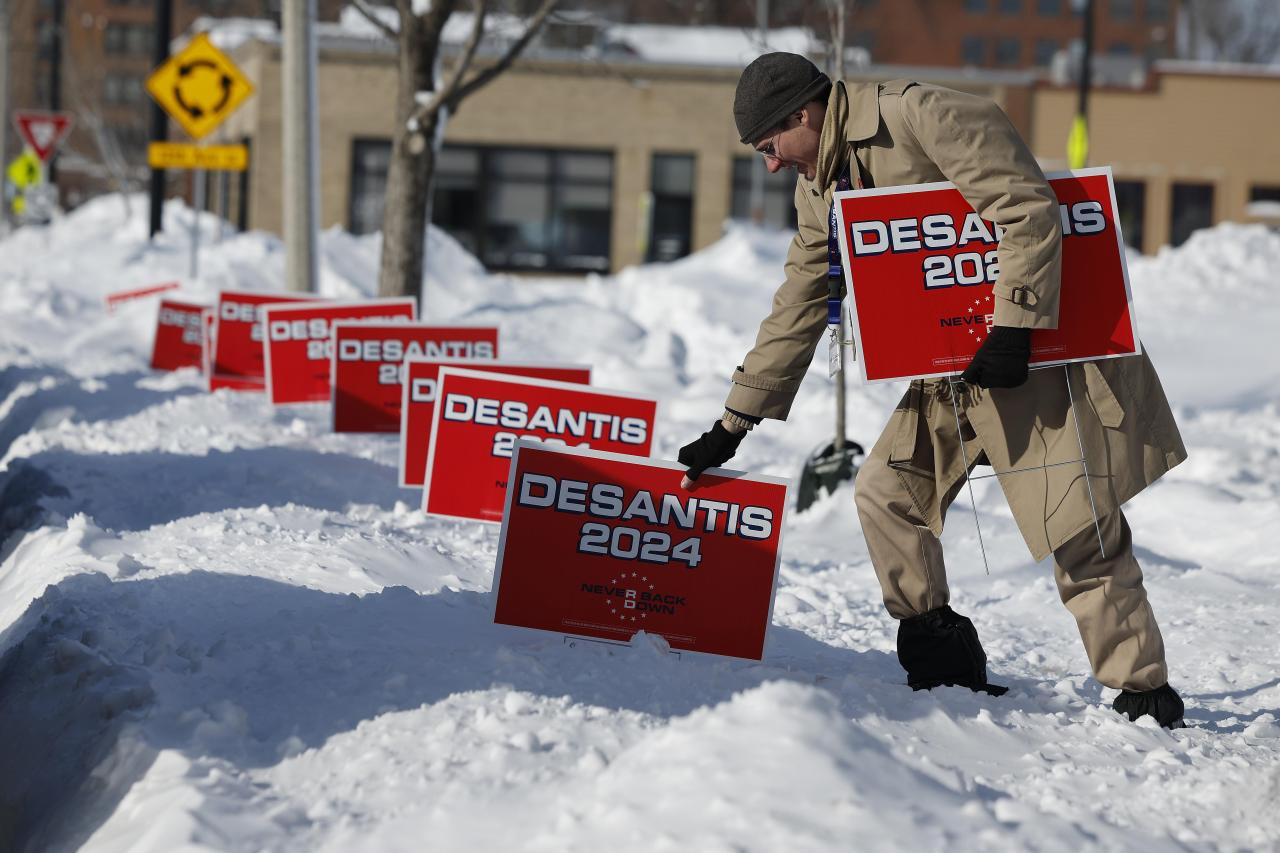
[907, 133]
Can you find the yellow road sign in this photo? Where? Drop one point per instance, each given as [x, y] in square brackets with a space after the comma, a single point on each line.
[25, 170]
[1078, 144]
[199, 87]
[184, 155]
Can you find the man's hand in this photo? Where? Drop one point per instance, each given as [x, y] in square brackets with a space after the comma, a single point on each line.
[1001, 361]
[710, 450]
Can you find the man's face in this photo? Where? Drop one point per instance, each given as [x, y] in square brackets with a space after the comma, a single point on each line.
[794, 145]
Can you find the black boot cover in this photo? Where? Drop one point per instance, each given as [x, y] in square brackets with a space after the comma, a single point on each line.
[1163, 703]
[941, 647]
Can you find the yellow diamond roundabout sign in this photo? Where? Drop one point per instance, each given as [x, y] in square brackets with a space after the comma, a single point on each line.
[199, 87]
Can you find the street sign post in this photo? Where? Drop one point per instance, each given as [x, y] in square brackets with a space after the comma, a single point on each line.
[199, 87]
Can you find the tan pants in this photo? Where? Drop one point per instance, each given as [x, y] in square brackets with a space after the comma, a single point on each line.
[1104, 594]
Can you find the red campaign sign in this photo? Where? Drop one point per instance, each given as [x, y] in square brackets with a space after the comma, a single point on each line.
[603, 545]
[42, 131]
[179, 340]
[480, 416]
[114, 299]
[921, 264]
[368, 366]
[238, 361]
[418, 402]
[299, 344]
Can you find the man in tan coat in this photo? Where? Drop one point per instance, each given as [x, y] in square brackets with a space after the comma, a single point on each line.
[903, 132]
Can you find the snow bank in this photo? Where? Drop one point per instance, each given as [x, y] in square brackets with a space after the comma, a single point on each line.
[224, 628]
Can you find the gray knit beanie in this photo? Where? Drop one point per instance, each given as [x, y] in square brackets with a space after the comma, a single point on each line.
[771, 88]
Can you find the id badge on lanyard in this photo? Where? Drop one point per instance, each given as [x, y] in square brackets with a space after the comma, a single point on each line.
[835, 275]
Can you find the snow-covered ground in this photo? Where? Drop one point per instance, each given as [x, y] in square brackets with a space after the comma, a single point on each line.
[224, 628]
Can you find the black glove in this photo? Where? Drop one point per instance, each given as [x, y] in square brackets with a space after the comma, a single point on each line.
[1001, 361]
[711, 450]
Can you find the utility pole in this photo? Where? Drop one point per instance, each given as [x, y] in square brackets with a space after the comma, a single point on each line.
[301, 166]
[159, 121]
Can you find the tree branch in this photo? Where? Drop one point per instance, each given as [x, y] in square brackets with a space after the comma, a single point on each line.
[367, 11]
[482, 78]
[446, 90]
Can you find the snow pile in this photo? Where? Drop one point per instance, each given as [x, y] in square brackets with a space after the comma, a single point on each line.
[224, 628]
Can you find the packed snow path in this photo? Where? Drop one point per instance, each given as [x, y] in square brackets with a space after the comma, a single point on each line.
[224, 628]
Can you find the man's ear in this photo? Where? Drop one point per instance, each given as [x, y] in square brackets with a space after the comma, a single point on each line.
[804, 116]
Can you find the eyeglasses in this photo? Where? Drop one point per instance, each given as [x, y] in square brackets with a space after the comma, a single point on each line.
[770, 151]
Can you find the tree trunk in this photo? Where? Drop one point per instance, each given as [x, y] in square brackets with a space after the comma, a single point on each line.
[412, 166]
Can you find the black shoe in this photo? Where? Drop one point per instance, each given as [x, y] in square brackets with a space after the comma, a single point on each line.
[1163, 703]
[941, 647]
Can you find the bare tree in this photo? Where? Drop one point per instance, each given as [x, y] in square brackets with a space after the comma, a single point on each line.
[423, 107]
[1232, 30]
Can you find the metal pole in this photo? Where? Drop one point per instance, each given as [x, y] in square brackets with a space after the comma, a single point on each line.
[159, 121]
[968, 481]
[300, 161]
[1086, 63]
[55, 81]
[197, 205]
[224, 194]
[757, 166]
[4, 111]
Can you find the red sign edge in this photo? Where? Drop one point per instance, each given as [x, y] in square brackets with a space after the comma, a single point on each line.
[522, 380]
[302, 306]
[459, 362]
[524, 444]
[932, 186]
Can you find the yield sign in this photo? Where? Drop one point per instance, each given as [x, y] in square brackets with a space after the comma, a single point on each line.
[42, 131]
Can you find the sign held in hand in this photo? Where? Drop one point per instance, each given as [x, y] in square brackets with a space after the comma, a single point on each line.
[604, 545]
[921, 267]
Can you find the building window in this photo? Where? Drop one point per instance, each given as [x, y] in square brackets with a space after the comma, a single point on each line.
[1131, 204]
[1008, 51]
[1121, 10]
[779, 194]
[1011, 7]
[1049, 8]
[122, 89]
[671, 222]
[1045, 51]
[973, 50]
[456, 201]
[976, 6]
[531, 209]
[370, 159]
[1157, 11]
[1262, 193]
[512, 208]
[1192, 210]
[128, 39]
